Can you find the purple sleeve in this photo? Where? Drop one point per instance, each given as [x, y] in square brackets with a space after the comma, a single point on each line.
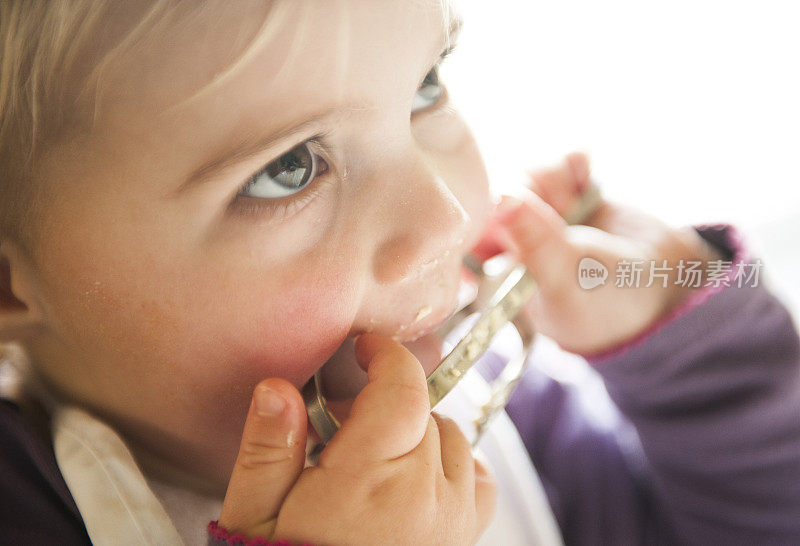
[713, 392]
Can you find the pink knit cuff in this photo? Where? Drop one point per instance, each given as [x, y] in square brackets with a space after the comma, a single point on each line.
[221, 535]
[735, 245]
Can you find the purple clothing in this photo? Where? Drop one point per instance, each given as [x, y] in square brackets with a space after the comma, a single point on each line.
[714, 395]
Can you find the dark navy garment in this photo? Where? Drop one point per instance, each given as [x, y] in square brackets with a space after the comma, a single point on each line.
[35, 504]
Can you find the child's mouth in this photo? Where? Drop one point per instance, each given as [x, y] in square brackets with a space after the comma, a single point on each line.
[424, 334]
[342, 377]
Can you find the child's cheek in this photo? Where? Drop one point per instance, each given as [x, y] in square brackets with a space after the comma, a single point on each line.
[294, 337]
[285, 294]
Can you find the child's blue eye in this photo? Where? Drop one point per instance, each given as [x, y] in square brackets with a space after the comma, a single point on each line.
[287, 175]
[298, 167]
[429, 92]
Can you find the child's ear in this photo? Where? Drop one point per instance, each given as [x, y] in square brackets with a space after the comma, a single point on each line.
[20, 312]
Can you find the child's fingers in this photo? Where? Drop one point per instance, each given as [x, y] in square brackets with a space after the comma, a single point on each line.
[537, 236]
[560, 187]
[471, 478]
[390, 415]
[491, 241]
[456, 452]
[271, 457]
[429, 450]
[485, 496]
[578, 163]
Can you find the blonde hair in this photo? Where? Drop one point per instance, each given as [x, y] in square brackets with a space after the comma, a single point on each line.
[53, 51]
[52, 58]
[38, 49]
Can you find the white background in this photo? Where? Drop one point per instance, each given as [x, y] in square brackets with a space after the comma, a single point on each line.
[688, 109]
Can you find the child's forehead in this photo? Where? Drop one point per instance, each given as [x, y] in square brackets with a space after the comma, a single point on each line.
[287, 50]
[201, 87]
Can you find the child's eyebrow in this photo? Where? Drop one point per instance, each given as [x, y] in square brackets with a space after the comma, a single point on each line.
[253, 146]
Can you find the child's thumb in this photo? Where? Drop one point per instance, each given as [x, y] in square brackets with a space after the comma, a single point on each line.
[271, 457]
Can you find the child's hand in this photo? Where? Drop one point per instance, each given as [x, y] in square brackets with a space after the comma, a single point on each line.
[393, 473]
[580, 320]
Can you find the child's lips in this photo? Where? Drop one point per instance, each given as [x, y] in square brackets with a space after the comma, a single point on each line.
[425, 323]
[340, 390]
[343, 378]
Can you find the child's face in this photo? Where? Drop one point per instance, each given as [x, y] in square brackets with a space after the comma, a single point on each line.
[169, 293]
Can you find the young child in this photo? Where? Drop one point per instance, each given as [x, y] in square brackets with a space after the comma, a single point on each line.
[203, 202]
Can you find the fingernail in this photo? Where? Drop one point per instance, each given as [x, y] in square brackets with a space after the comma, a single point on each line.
[579, 165]
[508, 204]
[269, 403]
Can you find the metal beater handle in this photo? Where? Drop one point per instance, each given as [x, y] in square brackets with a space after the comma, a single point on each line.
[516, 289]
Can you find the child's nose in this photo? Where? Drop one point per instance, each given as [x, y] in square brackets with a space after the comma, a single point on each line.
[425, 224]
